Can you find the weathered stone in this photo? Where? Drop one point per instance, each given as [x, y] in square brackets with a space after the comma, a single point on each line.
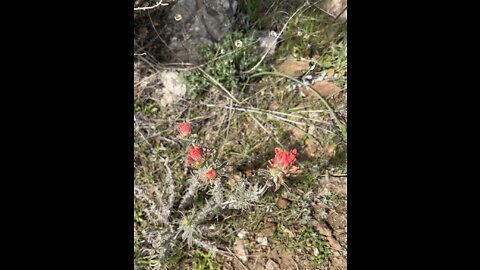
[190, 23]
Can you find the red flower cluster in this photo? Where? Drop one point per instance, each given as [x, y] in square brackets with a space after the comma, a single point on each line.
[283, 160]
[195, 155]
[281, 165]
[184, 129]
[211, 174]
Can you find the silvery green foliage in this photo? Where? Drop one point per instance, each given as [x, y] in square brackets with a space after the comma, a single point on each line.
[245, 195]
[185, 221]
[156, 212]
[187, 229]
[160, 241]
[212, 206]
[217, 193]
[170, 187]
[194, 185]
[206, 246]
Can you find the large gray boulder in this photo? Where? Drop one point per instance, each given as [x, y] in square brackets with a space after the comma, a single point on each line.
[185, 24]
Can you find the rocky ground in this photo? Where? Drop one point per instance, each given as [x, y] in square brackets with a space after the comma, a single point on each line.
[300, 104]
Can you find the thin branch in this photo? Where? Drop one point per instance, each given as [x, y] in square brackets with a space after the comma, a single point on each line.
[336, 175]
[238, 102]
[266, 130]
[335, 118]
[259, 112]
[157, 135]
[218, 84]
[139, 131]
[161, 39]
[272, 113]
[238, 259]
[306, 111]
[229, 202]
[321, 9]
[152, 65]
[160, 3]
[340, 14]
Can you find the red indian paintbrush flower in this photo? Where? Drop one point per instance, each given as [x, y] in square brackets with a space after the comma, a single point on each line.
[281, 165]
[195, 155]
[208, 175]
[211, 174]
[184, 129]
[283, 160]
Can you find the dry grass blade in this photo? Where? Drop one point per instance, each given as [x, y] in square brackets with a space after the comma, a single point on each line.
[160, 3]
[140, 132]
[272, 113]
[334, 116]
[210, 78]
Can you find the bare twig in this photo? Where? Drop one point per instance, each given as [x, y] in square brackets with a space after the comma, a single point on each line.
[334, 116]
[199, 118]
[238, 102]
[161, 39]
[139, 131]
[218, 84]
[160, 3]
[266, 131]
[260, 112]
[307, 111]
[230, 114]
[272, 113]
[340, 14]
[227, 129]
[229, 202]
[176, 64]
[321, 9]
[336, 175]
[157, 135]
[152, 65]
[236, 257]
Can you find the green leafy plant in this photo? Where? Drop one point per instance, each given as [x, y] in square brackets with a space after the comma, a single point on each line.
[225, 61]
[204, 261]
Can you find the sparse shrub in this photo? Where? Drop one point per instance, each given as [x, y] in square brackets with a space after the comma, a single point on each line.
[174, 221]
[226, 61]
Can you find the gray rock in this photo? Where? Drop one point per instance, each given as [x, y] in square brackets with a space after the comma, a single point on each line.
[336, 8]
[271, 265]
[189, 23]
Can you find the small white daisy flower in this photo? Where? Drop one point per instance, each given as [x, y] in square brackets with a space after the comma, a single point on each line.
[238, 43]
